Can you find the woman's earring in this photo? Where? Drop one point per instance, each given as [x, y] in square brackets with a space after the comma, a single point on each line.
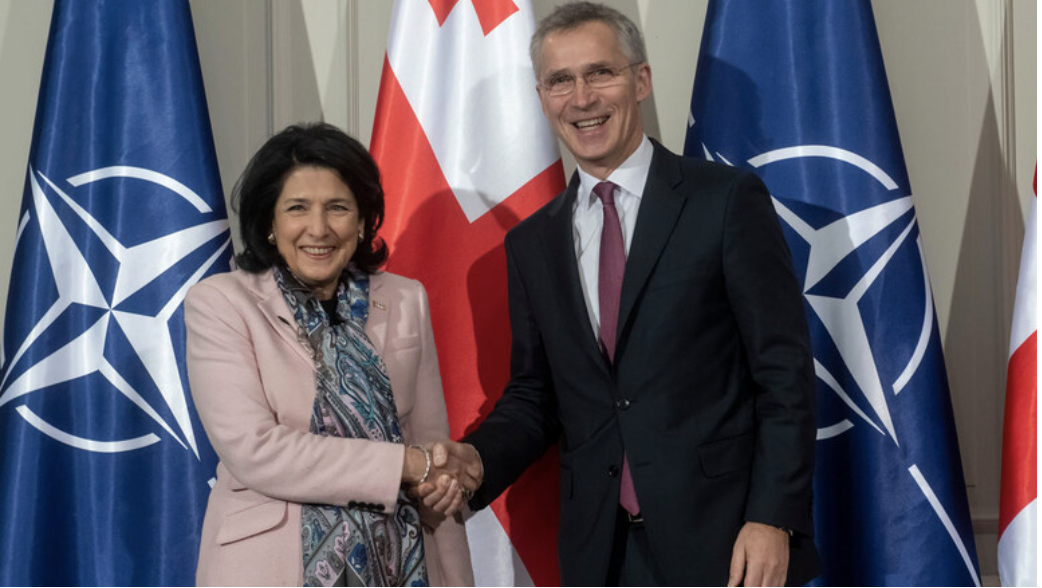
[271, 238]
[361, 234]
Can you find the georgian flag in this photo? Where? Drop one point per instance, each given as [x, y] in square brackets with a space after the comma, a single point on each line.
[465, 153]
[1018, 511]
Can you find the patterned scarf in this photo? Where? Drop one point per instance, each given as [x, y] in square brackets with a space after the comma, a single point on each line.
[349, 546]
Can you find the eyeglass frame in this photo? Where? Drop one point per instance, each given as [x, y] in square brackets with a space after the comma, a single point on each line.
[616, 73]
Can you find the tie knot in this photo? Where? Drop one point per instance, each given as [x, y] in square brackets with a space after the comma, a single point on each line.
[606, 192]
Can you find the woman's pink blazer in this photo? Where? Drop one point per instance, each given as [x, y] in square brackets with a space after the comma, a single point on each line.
[253, 384]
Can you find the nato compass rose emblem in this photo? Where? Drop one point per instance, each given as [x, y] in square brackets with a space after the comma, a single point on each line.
[106, 289]
[856, 270]
[839, 311]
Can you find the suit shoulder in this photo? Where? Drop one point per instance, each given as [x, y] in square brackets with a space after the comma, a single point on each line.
[711, 171]
[234, 284]
[719, 182]
[385, 279]
[400, 286]
[691, 175]
[530, 226]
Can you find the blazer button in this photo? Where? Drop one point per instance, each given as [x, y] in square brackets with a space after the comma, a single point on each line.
[622, 403]
[613, 471]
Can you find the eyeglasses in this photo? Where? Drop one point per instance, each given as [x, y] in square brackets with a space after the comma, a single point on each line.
[563, 84]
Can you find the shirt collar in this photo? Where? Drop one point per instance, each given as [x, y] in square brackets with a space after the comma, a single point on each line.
[631, 176]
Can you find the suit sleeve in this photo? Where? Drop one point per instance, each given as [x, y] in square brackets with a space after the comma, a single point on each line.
[768, 305]
[261, 452]
[524, 422]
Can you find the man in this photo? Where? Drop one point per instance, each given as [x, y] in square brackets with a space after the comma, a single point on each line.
[659, 337]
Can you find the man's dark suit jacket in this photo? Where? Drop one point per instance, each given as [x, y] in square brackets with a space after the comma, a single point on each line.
[710, 394]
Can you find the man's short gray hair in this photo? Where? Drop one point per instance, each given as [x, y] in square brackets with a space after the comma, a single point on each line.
[575, 14]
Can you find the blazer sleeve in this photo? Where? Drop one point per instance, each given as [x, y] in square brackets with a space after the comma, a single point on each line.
[768, 305]
[524, 423]
[447, 550]
[261, 452]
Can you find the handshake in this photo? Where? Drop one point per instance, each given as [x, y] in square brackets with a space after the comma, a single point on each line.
[443, 475]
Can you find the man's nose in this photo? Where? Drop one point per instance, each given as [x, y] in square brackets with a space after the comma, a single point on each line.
[583, 94]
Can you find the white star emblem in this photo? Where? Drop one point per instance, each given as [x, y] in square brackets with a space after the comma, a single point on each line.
[77, 285]
[841, 315]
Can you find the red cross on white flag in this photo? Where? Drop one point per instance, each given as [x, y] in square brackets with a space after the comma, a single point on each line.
[465, 153]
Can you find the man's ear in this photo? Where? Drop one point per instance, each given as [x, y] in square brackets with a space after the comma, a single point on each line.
[643, 75]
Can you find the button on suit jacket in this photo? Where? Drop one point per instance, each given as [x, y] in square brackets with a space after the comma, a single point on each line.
[710, 394]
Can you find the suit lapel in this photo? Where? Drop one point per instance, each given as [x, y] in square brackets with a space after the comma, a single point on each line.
[660, 208]
[559, 248]
[274, 309]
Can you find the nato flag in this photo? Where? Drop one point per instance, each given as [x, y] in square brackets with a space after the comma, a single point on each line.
[797, 92]
[104, 467]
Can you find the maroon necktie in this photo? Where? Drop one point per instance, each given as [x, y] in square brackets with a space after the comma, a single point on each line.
[609, 287]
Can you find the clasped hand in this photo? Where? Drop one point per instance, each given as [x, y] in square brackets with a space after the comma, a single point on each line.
[455, 473]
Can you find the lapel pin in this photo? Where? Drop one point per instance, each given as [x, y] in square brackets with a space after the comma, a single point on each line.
[379, 305]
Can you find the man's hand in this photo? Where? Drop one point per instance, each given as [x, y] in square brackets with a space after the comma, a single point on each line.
[456, 472]
[760, 556]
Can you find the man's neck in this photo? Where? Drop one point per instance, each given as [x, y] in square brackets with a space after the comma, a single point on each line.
[602, 171]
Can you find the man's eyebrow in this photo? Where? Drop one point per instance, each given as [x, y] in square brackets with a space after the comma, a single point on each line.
[587, 67]
[556, 72]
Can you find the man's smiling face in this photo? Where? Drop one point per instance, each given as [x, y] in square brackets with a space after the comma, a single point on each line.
[601, 127]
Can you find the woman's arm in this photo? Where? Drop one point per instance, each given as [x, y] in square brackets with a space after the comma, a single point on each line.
[235, 404]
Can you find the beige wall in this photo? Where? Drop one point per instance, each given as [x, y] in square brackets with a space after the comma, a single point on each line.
[962, 76]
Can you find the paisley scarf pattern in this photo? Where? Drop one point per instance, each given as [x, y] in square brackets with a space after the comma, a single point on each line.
[345, 546]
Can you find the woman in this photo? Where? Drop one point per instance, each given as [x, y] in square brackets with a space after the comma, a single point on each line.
[314, 374]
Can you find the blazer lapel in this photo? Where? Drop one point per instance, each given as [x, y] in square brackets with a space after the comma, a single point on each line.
[273, 307]
[559, 249]
[659, 211]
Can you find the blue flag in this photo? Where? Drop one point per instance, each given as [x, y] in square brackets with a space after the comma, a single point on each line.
[797, 92]
[104, 466]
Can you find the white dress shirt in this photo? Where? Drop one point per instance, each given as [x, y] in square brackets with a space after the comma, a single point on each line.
[588, 219]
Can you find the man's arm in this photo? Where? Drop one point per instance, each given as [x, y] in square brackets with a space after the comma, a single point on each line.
[768, 304]
[524, 422]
